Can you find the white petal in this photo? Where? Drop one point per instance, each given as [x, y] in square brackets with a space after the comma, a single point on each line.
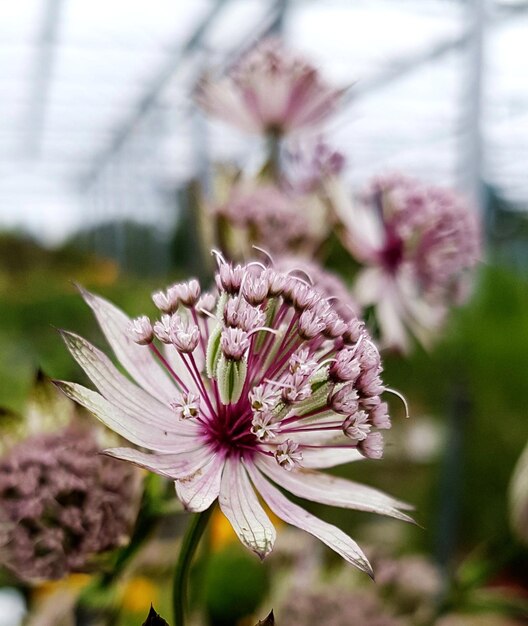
[169, 465]
[363, 231]
[333, 490]
[137, 360]
[136, 431]
[201, 488]
[119, 390]
[319, 458]
[370, 285]
[240, 505]
[390, 316]
[295, 515]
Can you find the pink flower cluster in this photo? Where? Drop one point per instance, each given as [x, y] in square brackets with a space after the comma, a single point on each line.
[61, 503]
[269, 217]
[261, 382]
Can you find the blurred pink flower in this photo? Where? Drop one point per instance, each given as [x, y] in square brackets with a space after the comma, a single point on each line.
[309, 163]
[270, 90]
[335, 605]
[263, 395]
[418, 243]
[61, 503]
[269, 216]
[330, 284]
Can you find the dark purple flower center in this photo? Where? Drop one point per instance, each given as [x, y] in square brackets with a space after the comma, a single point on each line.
[230, 430]
[391, 255]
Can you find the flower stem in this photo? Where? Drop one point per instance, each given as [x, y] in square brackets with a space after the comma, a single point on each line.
[190, 542]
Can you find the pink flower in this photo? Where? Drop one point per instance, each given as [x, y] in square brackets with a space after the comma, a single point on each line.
[309, 163]
[249, 406]
[61, 504]
[270, 90]
[418, 244]
[267, 216]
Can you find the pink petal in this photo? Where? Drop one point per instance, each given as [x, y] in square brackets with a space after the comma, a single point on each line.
[295, 515]
[200, 489]
[333, 490]
[326, 456]
[221, 99]
[119, 390]
[169, 465]
[136, 359]
[136, 431]
[240, 505]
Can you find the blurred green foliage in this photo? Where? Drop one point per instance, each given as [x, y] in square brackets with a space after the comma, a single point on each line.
[38, 295]
[234, 585]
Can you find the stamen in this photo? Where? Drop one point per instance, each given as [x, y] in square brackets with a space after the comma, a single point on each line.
[218, 257]
[323, 364]
[401, 397]
[208, 314]
[264, 252]
[308, 283]
[273, 331]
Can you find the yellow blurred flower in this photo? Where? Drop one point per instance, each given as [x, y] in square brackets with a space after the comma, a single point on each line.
[73, 583]
[139, 593]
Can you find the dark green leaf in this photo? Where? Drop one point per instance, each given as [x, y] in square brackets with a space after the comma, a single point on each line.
[153, 619]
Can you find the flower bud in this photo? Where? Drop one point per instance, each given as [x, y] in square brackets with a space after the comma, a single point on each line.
[141, 330]
[357, 426]
[372, 446]
[231, 376]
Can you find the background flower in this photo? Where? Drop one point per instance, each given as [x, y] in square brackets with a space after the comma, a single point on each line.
[270, 90]
[418, 244]
[61, 504]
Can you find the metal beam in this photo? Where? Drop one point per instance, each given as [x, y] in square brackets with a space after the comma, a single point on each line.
[45, 53]
[410, 64]
[471, 146]
[150, 97]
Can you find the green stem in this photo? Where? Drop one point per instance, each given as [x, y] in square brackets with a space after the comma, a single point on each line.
[271, 168]
[190, 542]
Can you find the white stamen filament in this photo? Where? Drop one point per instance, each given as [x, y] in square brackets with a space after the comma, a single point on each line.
[401, 397]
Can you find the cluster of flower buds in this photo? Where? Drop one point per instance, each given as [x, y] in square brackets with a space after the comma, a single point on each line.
[328, 283]
[285, 374]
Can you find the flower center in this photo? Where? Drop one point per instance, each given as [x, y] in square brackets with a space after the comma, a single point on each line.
[391, 255]
[230, 430]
